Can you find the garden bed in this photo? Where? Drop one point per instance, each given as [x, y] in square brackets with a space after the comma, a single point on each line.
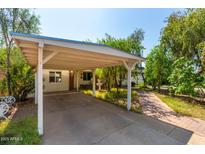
[118, 98]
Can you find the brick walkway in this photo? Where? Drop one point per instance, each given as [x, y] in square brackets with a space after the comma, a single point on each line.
[154, 107]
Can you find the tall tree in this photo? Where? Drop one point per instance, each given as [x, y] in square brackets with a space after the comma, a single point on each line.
[157, 68]
[15, 20]
[132, 44]
[135, 39]
[183, 35]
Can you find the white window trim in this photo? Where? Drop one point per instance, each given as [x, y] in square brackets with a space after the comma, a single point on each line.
[55, 76]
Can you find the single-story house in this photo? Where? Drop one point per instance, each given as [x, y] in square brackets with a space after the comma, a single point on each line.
[62, 64]
[63, 80]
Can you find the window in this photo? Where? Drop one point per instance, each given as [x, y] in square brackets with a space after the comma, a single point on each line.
[87, 76]
[55, 77]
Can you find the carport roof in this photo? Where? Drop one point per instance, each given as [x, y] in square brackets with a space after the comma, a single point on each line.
[61, 53]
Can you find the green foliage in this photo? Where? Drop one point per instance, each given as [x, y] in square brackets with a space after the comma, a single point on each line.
[22, 77]
[183, 39]
[132, 44]
[99, 73]
[25, 130]
[113, 76]
[117, 97]
[157, 68]
[184, 33]
[184, 78]
[183, 107]
[15, 20]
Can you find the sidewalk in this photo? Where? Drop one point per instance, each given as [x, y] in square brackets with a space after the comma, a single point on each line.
[154, 107]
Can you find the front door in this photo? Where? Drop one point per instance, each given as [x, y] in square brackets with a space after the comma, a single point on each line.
[71, 80]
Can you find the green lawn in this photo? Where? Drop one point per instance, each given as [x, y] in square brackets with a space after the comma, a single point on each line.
[183, 107]
[22, 131]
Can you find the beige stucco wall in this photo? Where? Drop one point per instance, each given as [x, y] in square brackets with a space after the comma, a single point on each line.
[62, 86]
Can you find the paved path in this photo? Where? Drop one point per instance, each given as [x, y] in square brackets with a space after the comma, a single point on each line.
[154, 107]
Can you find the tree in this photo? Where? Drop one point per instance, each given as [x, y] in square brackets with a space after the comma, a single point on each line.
[183, 38]
[15, 20]
[184, 78]
[183, 35]
[132, 44]
[22, 81]
[136, 39]
[157, 68]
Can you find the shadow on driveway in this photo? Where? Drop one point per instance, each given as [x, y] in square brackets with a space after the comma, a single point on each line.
[76, 118]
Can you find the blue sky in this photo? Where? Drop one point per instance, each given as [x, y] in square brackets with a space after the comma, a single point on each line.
[83, 24]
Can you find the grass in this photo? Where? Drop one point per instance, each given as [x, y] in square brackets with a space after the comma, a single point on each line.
[183, 107]
[141, 86]
[118, 98]
[23, 131]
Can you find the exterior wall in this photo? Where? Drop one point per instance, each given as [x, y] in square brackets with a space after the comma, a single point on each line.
[75, 79]
[61, 86]
[80, 79]
[137, 80]
[64, 84]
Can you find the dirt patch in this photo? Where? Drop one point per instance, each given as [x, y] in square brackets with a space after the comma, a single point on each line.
[24, 109]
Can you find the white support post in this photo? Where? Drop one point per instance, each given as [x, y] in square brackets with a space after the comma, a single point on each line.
[36, 87]
[77, 80]
[40, 88]
[94, 82]
[129, 101]
[129, 66]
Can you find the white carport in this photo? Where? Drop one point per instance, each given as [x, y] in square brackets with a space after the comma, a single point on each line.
[43, 52]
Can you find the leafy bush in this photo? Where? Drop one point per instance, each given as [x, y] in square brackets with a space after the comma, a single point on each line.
[88, 92]
[117, 97]
[184, 78]
[3, 87]
[22, 76]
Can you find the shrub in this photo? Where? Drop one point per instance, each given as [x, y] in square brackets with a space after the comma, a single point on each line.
[117, 97]
[22, 76]
[184, 78]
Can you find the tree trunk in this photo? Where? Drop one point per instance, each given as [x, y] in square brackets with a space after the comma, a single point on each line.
[159, 82]
[109, 82]
[8, 65]
[120, 82]
[158, 87]
[116, 84]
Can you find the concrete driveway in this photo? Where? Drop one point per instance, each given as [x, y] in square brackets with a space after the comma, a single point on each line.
[75, 118]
